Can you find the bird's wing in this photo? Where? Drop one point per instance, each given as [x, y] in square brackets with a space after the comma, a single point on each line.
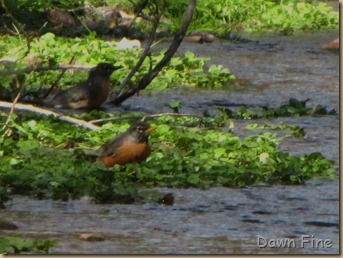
[110, 147]
[78, 93]
[68, 97]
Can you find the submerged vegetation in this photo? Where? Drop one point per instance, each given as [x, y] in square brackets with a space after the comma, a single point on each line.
[18, 245]
[49, 49]
[45, 158]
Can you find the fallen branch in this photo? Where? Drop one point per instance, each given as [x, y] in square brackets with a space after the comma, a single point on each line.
[104, 120]
[42, 111]
[42, 68]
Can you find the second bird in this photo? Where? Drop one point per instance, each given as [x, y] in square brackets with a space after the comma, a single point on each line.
[91, 93]
[128, 147]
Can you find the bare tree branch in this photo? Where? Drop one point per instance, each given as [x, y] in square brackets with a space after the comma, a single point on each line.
[146, 51]
[59, 77]
[12, 107]
[41, 111]
[144, 82]
[42, 68]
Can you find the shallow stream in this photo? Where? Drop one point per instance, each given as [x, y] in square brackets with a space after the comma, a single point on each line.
[271, 69]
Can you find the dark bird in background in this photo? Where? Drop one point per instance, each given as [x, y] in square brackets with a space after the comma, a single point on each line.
[128, 147]
[91, 93]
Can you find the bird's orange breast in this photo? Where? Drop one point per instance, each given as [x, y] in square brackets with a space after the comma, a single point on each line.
[128, 152]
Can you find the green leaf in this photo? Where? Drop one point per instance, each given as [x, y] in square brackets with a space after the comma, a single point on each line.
[264, 157]
[219, 152]
[193, 179]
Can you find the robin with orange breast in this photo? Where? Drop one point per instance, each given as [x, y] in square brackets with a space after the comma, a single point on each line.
[91, 93]
[129, 147]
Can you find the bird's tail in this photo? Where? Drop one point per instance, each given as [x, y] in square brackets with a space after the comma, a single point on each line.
[35, 102]
[90, 154]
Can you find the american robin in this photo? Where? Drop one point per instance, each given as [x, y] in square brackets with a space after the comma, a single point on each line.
[91, 93]
[128, 147]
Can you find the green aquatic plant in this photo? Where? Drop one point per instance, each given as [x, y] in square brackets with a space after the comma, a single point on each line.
[18, 245]
[46, 158]
[293, 108]
[223, 16]
[51, 50]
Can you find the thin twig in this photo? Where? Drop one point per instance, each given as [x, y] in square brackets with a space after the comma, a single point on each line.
[28, 45]
[42, 111]
[171, 114]
[100, 121]
[15, 22]
[72, 60]
[12, 107]
[138, 8]
[146, 51]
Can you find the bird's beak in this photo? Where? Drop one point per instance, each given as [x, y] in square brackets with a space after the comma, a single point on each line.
[150, 129]
[117, 67]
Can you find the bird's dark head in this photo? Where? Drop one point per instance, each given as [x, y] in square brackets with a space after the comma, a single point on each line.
[104, 69]
[141, 131]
